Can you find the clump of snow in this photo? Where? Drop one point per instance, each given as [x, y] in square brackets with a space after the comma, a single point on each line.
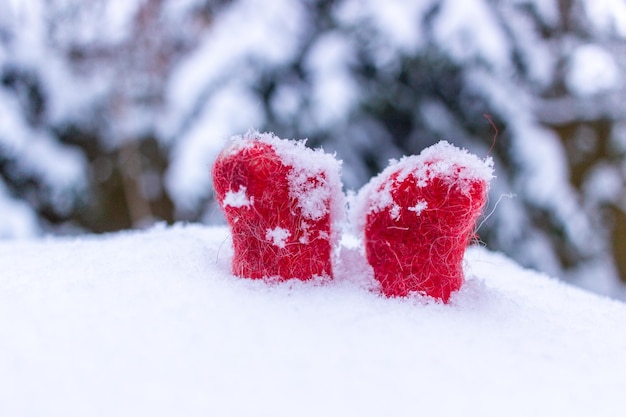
[543, 181]
[547, 10]
[449, 162]
[607, 16]
[546, 183]
[153, 323]
[604, 184]
[230, 110]
[419, 207]
[18, 219]
[335, 91]
[36, 152]
[238, 198]
[278, 236]
[538, 57]
[249, 35]
[399, 24]
[456, 32]
[592, 70]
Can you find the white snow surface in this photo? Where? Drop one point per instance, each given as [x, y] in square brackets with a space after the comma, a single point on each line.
[153, 323]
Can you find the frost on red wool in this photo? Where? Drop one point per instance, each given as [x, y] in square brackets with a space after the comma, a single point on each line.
[418, 216]
[282, 202]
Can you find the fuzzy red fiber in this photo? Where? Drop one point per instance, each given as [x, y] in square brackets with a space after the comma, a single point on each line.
[300, 247]
[422, 249]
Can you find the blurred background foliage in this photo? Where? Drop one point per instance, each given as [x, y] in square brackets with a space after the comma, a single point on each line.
[112, 111]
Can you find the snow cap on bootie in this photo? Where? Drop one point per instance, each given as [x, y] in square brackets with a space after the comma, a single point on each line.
[283, 202]
[418, 216]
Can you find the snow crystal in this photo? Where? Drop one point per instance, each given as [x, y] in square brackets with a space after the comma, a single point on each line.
[278, 236]
[394, 212]
[238, 198]
[419, 207]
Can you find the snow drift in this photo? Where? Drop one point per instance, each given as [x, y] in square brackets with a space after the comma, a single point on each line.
[153, 323]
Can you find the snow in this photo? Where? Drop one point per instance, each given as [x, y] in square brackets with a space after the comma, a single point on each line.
[398, 24]
[544, 181]
[335, 92]
[249, 36]
[607, 16]
[547, 10]
[238, 198]
[18, 219]
[419, 207]
[278, 236]
[231, 110]
[603, 184]
[153, 323]
[213, 92]
[457, 33]
[60, 167]
[546, 173]
[592, 70]
[539, 58]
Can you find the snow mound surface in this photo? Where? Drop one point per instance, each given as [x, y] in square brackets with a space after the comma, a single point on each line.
[153, 323]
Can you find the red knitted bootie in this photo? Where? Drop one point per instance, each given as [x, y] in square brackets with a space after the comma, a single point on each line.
[282, 201]
[418, 216]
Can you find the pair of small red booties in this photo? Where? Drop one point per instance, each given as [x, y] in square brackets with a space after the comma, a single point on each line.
[285, 205]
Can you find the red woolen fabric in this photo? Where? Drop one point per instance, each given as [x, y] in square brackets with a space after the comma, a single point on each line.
[272, 237]
[417, 242]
